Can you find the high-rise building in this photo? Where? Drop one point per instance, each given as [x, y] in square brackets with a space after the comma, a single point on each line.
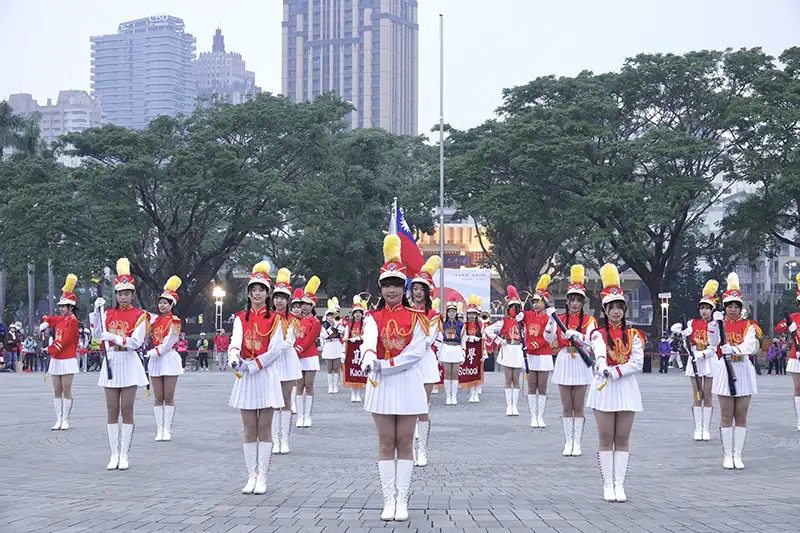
[144, 70]
[223, 74]
[73, 111]
[365, 51]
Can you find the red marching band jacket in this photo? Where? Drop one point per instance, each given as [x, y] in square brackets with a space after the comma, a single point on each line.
[535, 343]
[306, 333]
[510, 331]
[257, 332]
[65, 343]
[735, 333]
[161, 328]
[699, 338]
[123, 322]
[782, 327]
[571, 320]
[396, 329]
[618, 352]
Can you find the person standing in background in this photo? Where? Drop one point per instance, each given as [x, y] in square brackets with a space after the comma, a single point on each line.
[202, 351]
[12, 344]
[29, 348]
[664, 349]
[182, 347]
[221, 343]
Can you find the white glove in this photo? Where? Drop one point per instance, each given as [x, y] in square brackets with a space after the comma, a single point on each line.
[98, 303]
[727, 349]
[43, 326]
[793, 327]
[600, 366]
[107, 336]
[152, 353]
[251, 366]
[699, 355]
[687, 332]
[550, 311]
[572, 334]
[234, 361]
[677, 327]
[369, 363]
[718, 315]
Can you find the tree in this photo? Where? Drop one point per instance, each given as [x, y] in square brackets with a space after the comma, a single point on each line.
[640, 152]
[180, 196]
[770, 161]
[10, 126]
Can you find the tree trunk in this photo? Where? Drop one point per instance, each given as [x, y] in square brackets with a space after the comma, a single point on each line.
[50, 287]
[2, 292]
[31, 296]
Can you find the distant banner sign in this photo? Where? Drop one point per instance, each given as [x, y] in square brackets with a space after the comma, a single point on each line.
[454, 261]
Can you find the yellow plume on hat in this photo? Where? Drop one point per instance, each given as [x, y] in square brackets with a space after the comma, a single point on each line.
[172, 284]
[333, 303]
[435, 304]
[460, 307]
[473, 300]
[391, 248]
[610, 275]
[312, 286]
[123, 267]
[733, 281]
[711, 287]
[283, 276]
[262, 266]
[69, 284]
[357, 300]
[797, 277]
[479, 302]
[433, 264]
[576, 274]
[543, 282]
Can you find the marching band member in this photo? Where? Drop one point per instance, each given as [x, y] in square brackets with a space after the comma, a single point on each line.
[288, 363]
[741, 341]
[614, 394]
[507, 335]
[63, 352]
[123, 328]
[451, 354]
[164, 363]
[307, 332]
[421, 287]
[330, 335]
[571, 373]
[793, 365]
[539, 353]
[256, 345]
[353, 377]
[704, 353]
[473, 344]
[394, 342]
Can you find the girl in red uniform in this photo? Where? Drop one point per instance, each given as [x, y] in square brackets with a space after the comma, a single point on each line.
[705, 354]
[395, 341]
[63, 352]
[306, 346]
[507, 334]
[164, 363]
[793, 366]
[571, 373]
[614, 395]
[539, 353]
[256, 345]
[741, 341]
[421, 287]
[473, 344]
[354, 329]
[123, 329]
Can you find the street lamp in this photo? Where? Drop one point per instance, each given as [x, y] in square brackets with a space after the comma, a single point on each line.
[218, 293]
[664, 296]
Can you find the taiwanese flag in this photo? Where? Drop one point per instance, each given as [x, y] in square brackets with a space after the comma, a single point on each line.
[410, 253]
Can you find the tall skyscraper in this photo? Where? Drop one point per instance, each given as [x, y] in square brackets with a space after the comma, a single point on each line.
[144, 70]
[224, 74]
[73, 111]
[365, 51]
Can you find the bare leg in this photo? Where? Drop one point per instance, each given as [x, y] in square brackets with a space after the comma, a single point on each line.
[707, 396]
[565, 391]
[112, 405]
[509, 376]
[127, 396]
[404, 436]
[286, 390]
[622, 430]
[741, 405]
[515, 372]
[579, 400]
[170, 384]
[532, 382]
[726, 407]
[308, 382]
[264, 426]
[387, 436]
[58, 389]
[428, 388]
[541, 380]
[250, 425]
[158, 390]
[606, 429]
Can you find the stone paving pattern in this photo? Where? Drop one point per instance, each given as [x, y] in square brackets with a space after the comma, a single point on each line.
[488, 472]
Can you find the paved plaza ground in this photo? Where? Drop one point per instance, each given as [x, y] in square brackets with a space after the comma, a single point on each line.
[487, 473]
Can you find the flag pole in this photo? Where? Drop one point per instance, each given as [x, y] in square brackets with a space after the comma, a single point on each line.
[441, 163]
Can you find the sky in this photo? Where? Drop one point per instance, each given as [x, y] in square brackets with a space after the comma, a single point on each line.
[488, 44]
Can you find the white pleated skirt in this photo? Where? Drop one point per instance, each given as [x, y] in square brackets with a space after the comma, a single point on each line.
[260, 390]
[402, 393]
[332, 349]
[288, 365]
[429, 367]
[511, 356]
[706, 367]
[309, 364]
[540, 363]
[746, 384]
[571, 371]
[62, 367]
[793, 365]
[618, 395]
[127, 370]
[166, 364]
[451, 353]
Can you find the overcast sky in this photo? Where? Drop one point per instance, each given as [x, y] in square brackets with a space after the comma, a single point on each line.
[489, 44]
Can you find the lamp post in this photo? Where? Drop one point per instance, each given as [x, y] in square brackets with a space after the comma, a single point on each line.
[664, 296]
[219, 294]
